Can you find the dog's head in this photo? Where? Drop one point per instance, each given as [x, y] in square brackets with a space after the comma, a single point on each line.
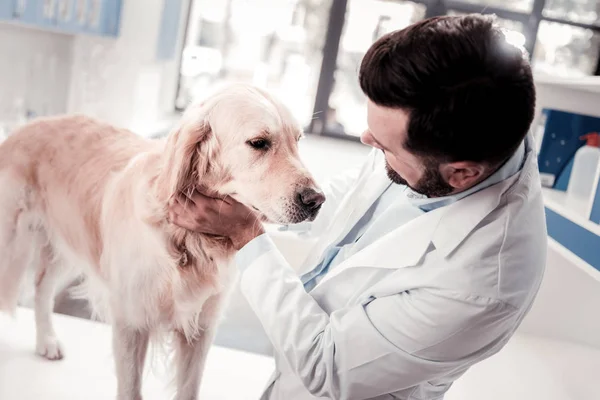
[242, 142]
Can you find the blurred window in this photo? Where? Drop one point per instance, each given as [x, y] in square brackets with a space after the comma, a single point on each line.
[278, 44]
[582, 11]
[513, 5]
[365, 22]
[566, 51]
[275, 44]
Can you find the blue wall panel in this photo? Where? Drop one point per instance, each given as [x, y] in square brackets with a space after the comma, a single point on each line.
[6, 9]
[169, 29]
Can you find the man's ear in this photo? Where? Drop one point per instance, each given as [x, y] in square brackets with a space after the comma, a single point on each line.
[462, 175]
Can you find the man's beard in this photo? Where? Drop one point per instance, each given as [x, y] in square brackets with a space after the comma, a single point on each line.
[431, 184]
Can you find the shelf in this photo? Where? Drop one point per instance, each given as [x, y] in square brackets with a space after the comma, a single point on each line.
[571, 233]
[574, 210]
[586, 84]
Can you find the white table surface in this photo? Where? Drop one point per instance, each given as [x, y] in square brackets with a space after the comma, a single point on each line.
[87, 371]
[528, 368]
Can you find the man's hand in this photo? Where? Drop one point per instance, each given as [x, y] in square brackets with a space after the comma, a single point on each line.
[214, 216]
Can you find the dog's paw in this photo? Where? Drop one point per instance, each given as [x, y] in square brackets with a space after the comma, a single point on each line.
[50, 348]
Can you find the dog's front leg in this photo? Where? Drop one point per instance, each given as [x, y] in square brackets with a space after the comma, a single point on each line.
[190, 357]
[129, 347]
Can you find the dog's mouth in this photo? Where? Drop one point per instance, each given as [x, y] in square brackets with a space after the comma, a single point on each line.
[265, 218]
[292, 215]
[262, 217]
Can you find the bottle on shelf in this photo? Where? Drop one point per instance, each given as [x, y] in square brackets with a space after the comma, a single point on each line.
[585, 168]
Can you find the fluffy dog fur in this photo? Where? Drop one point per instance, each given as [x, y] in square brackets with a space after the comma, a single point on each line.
[83, 197]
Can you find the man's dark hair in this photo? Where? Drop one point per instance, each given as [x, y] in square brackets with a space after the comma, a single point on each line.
[470, 94]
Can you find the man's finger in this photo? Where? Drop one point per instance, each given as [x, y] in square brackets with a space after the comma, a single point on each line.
[175, 219]
[202, 192]
[175, 205]
[229, 200]
[204, 200]
[182, 209]
[182, 202]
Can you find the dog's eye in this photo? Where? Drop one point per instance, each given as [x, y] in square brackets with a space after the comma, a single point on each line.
[259, 144]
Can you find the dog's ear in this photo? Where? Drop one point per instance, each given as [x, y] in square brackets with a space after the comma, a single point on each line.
[186, 158]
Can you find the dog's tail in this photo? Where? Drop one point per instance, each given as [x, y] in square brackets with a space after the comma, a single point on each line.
[18, 240]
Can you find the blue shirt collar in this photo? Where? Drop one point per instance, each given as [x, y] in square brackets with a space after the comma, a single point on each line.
[511, 167]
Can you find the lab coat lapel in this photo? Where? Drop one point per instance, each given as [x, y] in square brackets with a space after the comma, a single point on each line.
[462, 217]
[369, 187]
[402, 247]
[359, 202]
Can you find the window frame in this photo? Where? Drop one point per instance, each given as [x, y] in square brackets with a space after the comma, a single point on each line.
[335, 26]
[531, 21]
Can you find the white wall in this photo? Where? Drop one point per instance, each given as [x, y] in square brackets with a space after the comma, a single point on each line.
[35, 68]
[569, 299]
[567, 304]
[579, 96]
[120, 80]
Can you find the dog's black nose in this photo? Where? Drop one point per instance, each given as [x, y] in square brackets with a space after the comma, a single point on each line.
[311, 199]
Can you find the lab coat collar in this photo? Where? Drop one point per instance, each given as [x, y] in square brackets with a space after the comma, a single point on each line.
[413, 238]
[358, 202]
[510, 168]
[461, 218]
[353, 207]
[442, 229]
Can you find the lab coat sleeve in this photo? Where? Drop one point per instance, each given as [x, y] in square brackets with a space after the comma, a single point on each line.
[379, 346]
[253, 250]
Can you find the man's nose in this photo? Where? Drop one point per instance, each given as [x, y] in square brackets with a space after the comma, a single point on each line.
[367, 138]
[310, 199]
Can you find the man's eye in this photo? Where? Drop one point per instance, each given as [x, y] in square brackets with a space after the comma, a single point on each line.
[259, 144]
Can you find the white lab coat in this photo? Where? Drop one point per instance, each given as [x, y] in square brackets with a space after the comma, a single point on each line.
[407, 315]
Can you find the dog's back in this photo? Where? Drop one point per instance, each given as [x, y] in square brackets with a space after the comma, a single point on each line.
[53, 173]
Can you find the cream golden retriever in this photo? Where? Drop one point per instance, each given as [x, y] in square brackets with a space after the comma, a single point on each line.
[82, 196]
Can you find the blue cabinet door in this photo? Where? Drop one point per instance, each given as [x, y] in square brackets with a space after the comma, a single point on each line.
[80, 15]
[104, 17]
[112, 20]
[6, 9]
[64, 14]
[71, 15]
[97, 17]
[47, 13]
[26, 11]
[169, 29]
[101, 17]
